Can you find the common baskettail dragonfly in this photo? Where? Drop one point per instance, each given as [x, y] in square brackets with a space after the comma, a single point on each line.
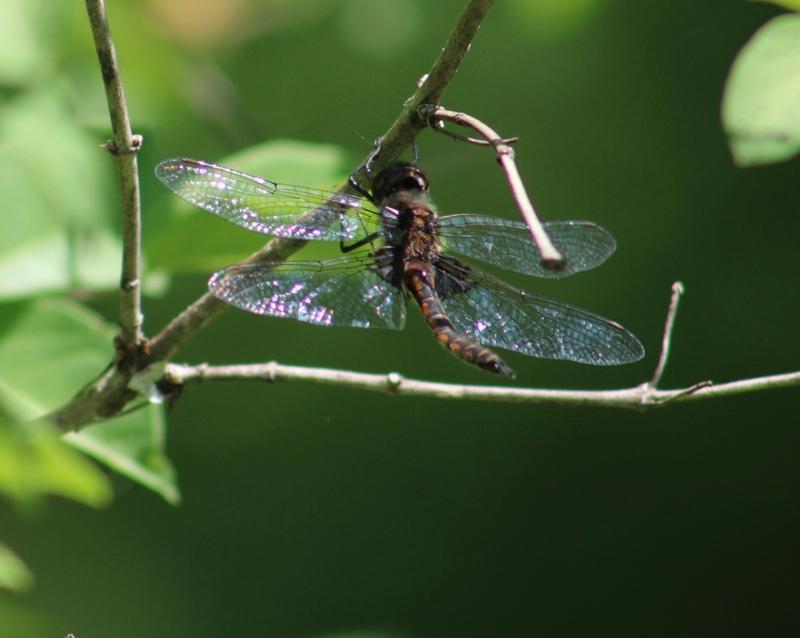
[401, 248]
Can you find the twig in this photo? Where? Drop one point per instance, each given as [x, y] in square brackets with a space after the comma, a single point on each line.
[436, 115]
[124, 148]
[669, 325]
[639, 397]
[472, 140]
[403, 131]
[642, 396]
[399, 136]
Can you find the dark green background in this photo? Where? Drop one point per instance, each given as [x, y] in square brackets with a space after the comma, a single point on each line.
[310, 511]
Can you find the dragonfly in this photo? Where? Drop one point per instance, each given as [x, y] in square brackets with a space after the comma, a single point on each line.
[395, 247]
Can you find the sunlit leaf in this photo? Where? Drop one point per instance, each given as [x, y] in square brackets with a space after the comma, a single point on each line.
[198, 241]
[48, 349]
[761, 107]
[57, 232]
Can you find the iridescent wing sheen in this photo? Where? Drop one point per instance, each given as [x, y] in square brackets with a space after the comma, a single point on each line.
[265, 206]
[346, 291]
[507, 244]
[494, 313]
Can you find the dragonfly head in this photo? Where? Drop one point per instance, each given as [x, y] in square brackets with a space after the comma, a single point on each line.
[402, 176]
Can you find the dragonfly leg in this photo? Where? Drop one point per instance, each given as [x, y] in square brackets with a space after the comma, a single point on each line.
[359, 188]
[361, 242]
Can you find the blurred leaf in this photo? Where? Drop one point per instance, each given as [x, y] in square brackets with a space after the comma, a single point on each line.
[792, 5]
[14, 574]
[132, 445]
[58, 232]
[553, 17]
[34, 462]
[23, 45]
[48, 349]
[195, 240]
[761, 106]
[362, 26]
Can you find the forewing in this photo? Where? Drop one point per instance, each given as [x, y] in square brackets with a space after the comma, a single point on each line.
[508, 243]
[338, 292]
[494, 313]
[265, 206]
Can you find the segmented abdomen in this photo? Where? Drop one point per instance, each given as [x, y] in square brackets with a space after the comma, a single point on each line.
[419, 279]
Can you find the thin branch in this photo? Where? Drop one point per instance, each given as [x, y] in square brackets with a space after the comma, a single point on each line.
[639, 397]
[642, 396]
[472, 140]
[436, 115]
[124, 148]
[669, 325]
[399, 136]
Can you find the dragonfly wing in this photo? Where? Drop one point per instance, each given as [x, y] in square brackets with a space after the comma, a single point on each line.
[494, 313]
[265, 206]
[346, 291]
[508, 243]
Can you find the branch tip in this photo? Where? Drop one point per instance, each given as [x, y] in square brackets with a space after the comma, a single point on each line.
[666, 341]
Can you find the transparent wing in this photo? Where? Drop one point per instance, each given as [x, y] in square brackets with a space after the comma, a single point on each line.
[346, 291]
[508, 244]
[494, 313]
[265, 206]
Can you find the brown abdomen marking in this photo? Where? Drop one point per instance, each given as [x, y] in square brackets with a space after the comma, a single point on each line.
[418, 277]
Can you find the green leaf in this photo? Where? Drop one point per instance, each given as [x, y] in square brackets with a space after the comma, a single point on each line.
[197, 241]
[14, 574]
[761, 106]
[792, 5]
[24, 49]
[132, 445]
[58, 232]
[48, 350]
[34, 462]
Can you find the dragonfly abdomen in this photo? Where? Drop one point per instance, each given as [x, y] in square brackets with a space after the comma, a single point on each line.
[418, 278]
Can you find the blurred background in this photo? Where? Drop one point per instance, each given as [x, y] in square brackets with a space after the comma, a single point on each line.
[312, 511]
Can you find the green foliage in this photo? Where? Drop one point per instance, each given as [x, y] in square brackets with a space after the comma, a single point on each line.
[48, 349]
[62, 236]
[761, 107]
[34, 462]
[792, 5]
[14, 574]
[133, 445]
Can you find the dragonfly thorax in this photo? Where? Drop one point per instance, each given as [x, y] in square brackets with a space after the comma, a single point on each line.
[397, 178]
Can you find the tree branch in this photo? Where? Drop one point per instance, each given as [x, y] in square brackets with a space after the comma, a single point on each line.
[638, 397]
[669, 325]
[435, 116]
[399, 136]
[124, 148]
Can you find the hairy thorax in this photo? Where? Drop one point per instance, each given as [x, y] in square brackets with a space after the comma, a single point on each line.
[415, 226]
